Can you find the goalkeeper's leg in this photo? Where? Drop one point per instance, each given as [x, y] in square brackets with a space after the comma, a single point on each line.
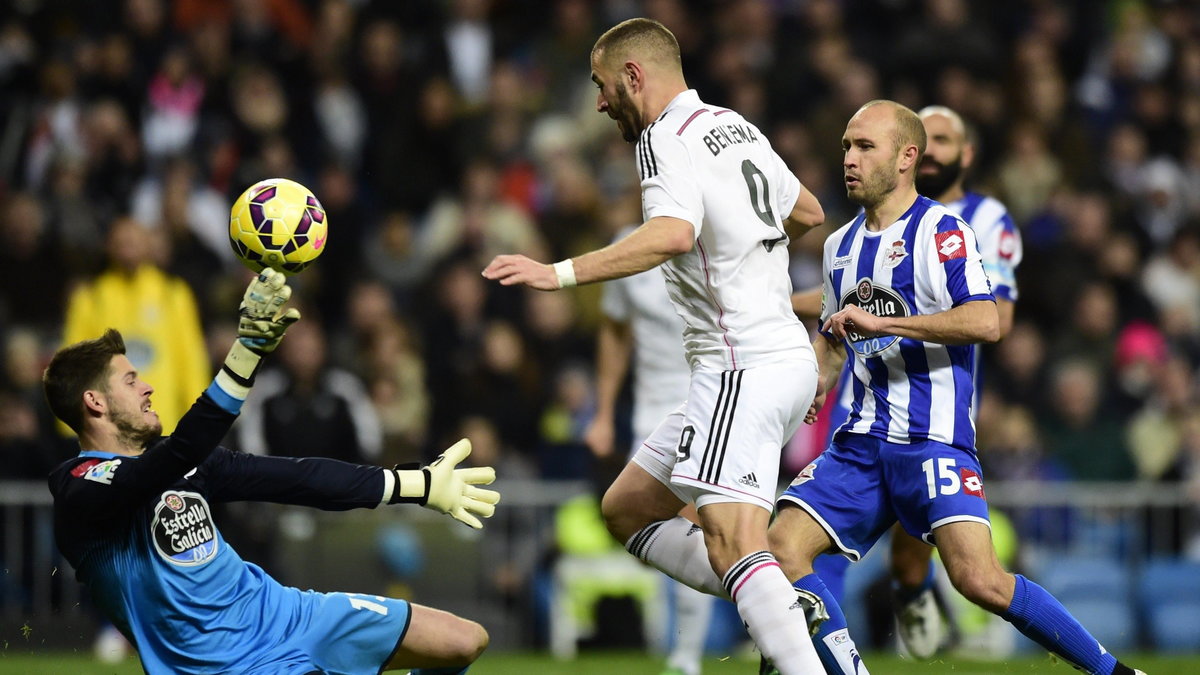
[438, 642]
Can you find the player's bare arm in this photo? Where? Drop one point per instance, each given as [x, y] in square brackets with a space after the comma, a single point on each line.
[831, 356]
[807, 303]
[969, 323]
[806, 215]
[655, 242]
[1004, 312]
[614, 349]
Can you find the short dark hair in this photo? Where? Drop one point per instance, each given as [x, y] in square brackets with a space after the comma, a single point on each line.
[643, 38]
[75, 369]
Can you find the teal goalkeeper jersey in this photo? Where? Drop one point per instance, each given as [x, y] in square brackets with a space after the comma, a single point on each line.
[140, 534]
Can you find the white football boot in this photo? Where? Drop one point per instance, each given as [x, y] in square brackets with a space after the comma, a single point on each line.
[919, 624]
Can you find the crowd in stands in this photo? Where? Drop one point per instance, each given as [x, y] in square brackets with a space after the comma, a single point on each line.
[438, 133]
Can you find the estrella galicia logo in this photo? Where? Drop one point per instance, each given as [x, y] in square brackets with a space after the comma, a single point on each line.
[880, 301]
[183, 530]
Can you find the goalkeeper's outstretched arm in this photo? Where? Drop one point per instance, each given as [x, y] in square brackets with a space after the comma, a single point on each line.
[333, 485]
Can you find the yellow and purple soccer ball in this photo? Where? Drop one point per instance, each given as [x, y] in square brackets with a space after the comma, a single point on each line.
[278, 223]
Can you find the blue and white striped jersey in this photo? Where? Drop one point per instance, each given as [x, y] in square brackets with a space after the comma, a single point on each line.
[1001, 248]
[999, 240]
[926, 262]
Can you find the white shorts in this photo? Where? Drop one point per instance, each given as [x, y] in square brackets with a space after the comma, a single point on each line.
[723, 444]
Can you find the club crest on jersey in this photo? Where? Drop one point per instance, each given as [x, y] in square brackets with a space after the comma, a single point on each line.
[894, 254]
[879, 301]
[806, 474]
[182, 529]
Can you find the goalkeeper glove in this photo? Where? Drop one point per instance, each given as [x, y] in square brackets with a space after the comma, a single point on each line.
[263, 320]
[442, 487]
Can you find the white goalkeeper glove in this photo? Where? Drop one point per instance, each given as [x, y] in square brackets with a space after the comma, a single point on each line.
[263, 320]
[442, 487]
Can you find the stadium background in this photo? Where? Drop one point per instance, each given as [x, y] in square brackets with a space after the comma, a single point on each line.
[440, 133]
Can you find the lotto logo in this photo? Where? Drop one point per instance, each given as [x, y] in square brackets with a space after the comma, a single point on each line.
[950, 245]
[1008, 245]
[972, 483]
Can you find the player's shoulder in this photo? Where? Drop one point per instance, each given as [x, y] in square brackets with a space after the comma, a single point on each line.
[989, 212]
[834, 241]
[937, 217]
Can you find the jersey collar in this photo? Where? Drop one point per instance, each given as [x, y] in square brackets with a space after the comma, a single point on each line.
[687, 97]
[105, 455]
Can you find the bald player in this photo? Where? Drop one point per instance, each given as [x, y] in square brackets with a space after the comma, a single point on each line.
[907, 297]
[949, 154]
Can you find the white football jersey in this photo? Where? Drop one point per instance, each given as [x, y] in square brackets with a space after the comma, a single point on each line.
[926, 262]
[709, 166]
[660, 371]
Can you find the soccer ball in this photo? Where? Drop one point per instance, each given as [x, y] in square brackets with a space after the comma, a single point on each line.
[277, 223]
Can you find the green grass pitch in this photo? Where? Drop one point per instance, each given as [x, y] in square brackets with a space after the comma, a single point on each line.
[633, 663]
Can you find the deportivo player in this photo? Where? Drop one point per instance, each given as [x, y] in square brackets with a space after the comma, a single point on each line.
[905, 291]
[640, 327]
[719, 206]
[132, 516]
[948, 155]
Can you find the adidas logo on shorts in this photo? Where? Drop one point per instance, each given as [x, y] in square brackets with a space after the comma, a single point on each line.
[749, 480]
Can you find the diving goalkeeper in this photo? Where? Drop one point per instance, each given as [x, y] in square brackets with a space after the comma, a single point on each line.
[131, 514]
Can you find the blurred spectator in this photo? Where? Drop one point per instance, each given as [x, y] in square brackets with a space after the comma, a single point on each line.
[1078, 430]
[470, 44]
[1028, 173]
[479, 222]
[397, 386]
[154, 310]
[173, 100]
[308, 408]
[1172, 279]
[192, 215]
[564, 454]
[29, 261]
[391, 255]
[1021, 372]
[1156, 434]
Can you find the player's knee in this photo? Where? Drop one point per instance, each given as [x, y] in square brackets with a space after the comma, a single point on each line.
[472, 640]
[984, 586]
[621, 521]
[909, 567]
[785, 548]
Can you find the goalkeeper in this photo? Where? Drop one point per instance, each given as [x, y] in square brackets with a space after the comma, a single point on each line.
[131, 514]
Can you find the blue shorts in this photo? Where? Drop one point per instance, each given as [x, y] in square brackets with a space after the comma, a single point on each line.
[338, 633]
[862, 484]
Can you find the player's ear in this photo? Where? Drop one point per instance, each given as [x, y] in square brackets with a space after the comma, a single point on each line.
[634, 75]
[968, 155]
[94, 402]
[909, 155]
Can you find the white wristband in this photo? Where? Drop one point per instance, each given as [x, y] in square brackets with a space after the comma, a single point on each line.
[565, 270]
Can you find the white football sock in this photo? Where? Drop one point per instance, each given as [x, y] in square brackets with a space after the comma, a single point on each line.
[676, 547]
[692, 611]
[769, 608]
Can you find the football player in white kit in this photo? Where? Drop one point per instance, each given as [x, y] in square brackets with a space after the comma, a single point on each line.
[639, 327]
[719, 206]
